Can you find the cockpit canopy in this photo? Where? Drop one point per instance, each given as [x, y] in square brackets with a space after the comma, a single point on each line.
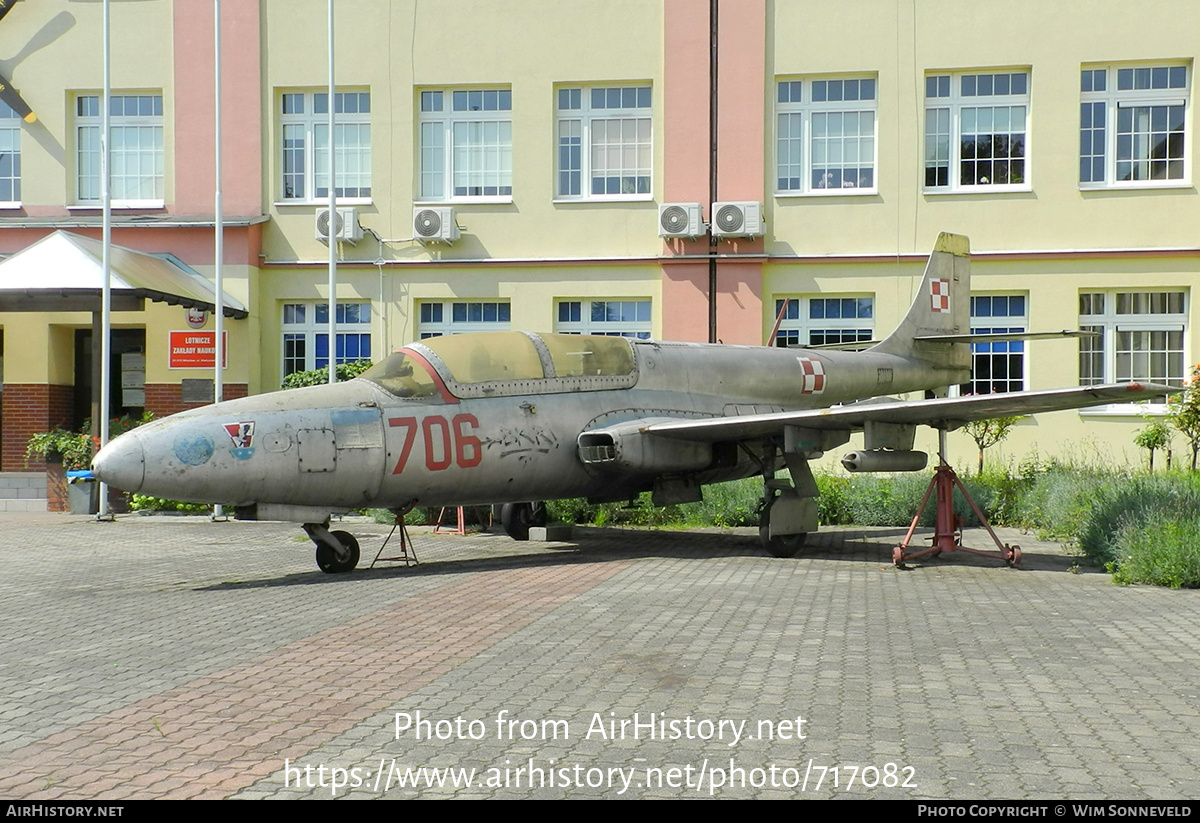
[496, 364]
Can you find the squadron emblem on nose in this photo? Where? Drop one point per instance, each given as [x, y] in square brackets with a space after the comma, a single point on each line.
[242, 435]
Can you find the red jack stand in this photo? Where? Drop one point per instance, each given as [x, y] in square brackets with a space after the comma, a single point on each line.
[461, 524]
[947, 536]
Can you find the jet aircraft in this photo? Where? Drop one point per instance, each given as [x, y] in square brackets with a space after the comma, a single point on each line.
[516, 418]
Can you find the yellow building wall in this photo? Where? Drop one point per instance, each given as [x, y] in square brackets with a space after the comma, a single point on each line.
[397, 49]
[396, 292]
[64, 57]
[901, 42]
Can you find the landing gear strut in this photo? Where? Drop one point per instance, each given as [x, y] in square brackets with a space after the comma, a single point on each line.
[788, 511]
[518, 518]
[336, 551]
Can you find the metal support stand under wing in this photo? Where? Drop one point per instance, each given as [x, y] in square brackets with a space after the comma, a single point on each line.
[947, 534]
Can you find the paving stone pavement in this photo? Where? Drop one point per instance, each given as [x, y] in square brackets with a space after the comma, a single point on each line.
[176, 657]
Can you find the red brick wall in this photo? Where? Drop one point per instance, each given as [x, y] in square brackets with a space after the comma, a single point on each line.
[32, 408]
[56, 489]
[29, 409]
[164, 398]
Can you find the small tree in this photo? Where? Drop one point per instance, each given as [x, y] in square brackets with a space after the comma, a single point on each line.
[987, 433]
[1183, 412]
[1156, 435]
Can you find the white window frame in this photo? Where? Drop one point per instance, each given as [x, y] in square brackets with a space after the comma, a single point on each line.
[1106, 318]
[992, 322]
[605, 316]
[604, 133]
[1108, 93]
[464, 145]
[303, 120]
[436, 318]
[299, 324]
[10, 156]
[953, 101]
[813, 150]
[809, 323]
[144, 130]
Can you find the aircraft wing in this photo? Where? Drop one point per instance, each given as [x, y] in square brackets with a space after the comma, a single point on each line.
[940, 413]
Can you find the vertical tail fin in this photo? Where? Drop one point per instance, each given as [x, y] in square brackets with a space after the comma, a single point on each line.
[942, 306]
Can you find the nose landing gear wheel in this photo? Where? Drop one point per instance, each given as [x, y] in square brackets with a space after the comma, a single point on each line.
[327, 559]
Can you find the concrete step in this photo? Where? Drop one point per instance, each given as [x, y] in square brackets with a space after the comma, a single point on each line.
[30, 504]
[22, 486]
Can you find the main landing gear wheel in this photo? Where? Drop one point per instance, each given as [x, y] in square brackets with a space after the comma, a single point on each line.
[518, 518]
[327, 559]
[781, 545]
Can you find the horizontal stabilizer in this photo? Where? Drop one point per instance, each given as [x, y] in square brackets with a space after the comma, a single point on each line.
[1000, 337]
[988, 337]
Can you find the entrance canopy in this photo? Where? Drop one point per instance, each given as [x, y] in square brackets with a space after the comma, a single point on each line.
[64, 272]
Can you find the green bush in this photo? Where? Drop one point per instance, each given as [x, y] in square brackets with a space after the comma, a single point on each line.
[144, 502]
[1134, 502]
[638, 512]
[419, 516]
[892, 500]
[1056, 502]
[726, 505]
[1158, 548]
[833, 506]
[319, 377]
[78, 448]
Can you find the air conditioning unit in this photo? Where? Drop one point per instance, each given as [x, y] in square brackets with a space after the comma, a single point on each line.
[435, 224]
[680, 220]
[737, 218]
[345, 226]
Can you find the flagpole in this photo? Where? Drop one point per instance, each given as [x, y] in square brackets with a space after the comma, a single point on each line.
[219, 376]
[219, 253]
[332, 218]
[105, 342]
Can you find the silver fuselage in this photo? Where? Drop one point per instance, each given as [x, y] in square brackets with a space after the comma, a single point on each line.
[355, 445]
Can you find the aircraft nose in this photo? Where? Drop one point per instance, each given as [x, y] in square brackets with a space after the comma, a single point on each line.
[122, 463]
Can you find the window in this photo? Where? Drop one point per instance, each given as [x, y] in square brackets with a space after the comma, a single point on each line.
[10, 155]
[975, 131]
[304, 130]
[607, 318]
[135, 149]
[997, 366]
[466, 144]
[604, 145]
[1140, 337]
[817, 321]
[459, 316]
[306, 335]
[825, 135]
[1132, 125]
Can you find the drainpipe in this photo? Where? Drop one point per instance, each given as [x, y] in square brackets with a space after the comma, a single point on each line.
[712, 169]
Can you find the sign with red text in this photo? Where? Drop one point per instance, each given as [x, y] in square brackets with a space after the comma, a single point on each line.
[196, 350]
